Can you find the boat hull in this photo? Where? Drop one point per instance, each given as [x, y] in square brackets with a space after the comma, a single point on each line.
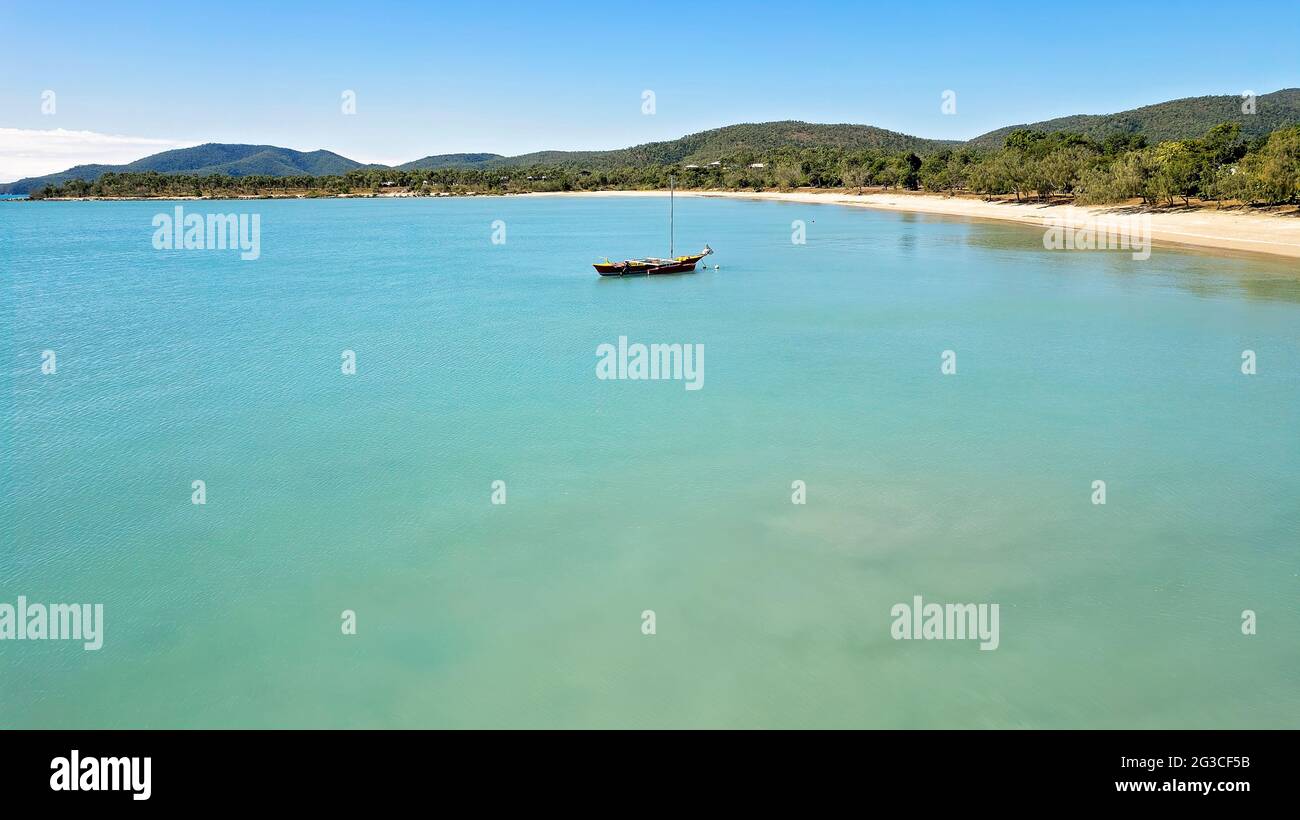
[632, 267]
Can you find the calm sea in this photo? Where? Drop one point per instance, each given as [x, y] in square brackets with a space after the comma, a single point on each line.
[476, 363]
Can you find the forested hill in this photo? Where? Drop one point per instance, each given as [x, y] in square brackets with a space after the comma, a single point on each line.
[209, 158]
[1174, 120]
[449, 161]
[733, 142]
[737, 143]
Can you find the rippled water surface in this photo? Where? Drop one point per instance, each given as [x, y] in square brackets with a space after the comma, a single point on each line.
[476, 363]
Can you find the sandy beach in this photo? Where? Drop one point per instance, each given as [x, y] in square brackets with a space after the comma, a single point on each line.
[1234, 230]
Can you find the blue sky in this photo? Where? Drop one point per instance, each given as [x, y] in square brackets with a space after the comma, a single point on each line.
[516, 77]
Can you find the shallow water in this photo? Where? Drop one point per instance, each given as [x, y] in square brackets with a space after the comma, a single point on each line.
[476, 363]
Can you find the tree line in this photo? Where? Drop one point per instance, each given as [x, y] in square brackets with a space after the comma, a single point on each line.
[1219, 165]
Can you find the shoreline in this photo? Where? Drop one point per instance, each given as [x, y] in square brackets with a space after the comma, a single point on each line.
[1201, 228]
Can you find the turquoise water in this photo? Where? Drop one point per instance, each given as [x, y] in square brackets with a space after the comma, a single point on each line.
[476, 363]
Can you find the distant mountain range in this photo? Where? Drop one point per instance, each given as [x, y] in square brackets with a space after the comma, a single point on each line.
[1176, 119]
[211, 158]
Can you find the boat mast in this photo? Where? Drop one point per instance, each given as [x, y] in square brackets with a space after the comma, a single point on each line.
[670, 217]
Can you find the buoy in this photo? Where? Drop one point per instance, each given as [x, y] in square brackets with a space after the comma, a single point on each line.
[717, 267]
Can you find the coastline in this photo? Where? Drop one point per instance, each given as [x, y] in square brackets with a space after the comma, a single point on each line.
[1201, 228]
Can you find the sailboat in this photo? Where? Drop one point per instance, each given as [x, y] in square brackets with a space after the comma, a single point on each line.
[651, 265]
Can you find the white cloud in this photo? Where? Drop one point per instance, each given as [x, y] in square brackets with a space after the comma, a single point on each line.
[30, 153]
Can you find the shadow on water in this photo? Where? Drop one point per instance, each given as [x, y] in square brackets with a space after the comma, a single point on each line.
[1209, 275]
[644, 277]
[907, 236]
[1253, 285]
[1203, 273]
